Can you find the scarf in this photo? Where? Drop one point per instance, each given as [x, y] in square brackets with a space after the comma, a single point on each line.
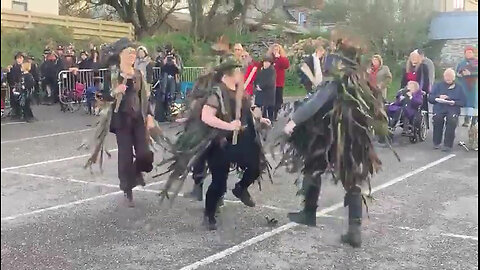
[373, 76]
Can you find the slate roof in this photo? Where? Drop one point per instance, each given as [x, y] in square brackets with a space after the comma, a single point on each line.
[454, 25]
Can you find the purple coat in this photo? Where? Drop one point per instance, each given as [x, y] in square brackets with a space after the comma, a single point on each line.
[411, 106]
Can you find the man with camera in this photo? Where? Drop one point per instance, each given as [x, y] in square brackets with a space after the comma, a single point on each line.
[170, 64]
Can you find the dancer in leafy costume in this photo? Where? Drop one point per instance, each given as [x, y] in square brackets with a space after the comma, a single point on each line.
[128, 115]
[221, 129]
[332, 132]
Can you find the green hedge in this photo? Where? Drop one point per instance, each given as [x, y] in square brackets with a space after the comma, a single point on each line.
[34, 40]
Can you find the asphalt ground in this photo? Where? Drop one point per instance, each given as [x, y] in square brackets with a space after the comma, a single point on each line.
[57, 215]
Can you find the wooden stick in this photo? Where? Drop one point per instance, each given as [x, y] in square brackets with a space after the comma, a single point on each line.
[238, 109]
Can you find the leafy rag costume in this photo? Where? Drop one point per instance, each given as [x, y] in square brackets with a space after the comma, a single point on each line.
[333, 133]
[125, 115]
[199, 142]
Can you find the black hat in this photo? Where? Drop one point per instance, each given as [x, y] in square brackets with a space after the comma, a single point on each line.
[168, 47]
[47, 51]
[60, 48]
[84, 52]
[228, 62]
[110, 52]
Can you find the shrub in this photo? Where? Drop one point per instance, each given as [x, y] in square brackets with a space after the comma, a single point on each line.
[183, 44]
[33, 41]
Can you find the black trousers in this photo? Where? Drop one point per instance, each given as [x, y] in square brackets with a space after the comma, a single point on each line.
[268, 112]
[278, 100]
[444, 122]
[132, 136]
[27, 109]
[219, 160]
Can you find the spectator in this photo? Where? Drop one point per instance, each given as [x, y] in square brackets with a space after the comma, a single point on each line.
[238, 51]
[144, 63]
[94, 60]
[84, 62]
[35, 71]
[447, 99]
[408, 101]
[60, 58]
[281, 64]
[265, 88]
[171, 67]
[430, 65]
[250, 64]
[417, 71]
[23, 91]
[315, 64]
[467, 73]
[49, 73]
[14, 77]
[380, 75]
[91, 93]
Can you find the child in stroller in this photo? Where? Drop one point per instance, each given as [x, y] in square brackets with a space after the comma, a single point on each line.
[405, 107]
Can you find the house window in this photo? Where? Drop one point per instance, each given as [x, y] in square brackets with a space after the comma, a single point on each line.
[459, 4]
[19, 5]
[302, 18]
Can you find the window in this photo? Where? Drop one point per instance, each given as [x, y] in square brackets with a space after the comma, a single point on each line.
[19, 5]
[302, 18]
[458, 4]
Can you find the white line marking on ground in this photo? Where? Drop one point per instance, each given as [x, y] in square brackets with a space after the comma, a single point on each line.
[288, 226]
[70, 204]
[49, 161]
[460, 236]
[47, 136]
[63, 178]
[13, 123]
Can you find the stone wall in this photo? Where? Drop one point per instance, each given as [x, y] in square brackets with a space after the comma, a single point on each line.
[452, 52]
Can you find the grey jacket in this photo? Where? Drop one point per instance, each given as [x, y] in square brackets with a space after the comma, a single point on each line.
[384, 78]
[431, 70]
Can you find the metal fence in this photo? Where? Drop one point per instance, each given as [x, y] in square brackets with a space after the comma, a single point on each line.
[72, 85]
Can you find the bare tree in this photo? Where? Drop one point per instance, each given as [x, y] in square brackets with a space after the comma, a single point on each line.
[146, 16]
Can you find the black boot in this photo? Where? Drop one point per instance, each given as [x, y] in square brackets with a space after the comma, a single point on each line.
[353, 199]
[129, 198]
[196, 193]
[209, 221]
[308, 216]
[244, 196]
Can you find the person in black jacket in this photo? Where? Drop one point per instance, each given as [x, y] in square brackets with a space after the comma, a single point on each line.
[49, 73]
[14, 77]
[84, 62]
[447, 98]
[265, 88]
[22, 92]
[35, 71]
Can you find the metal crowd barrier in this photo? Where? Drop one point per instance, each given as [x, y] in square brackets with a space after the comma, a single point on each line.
[69, 81]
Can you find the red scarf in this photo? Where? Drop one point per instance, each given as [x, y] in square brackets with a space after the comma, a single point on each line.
[373, 76]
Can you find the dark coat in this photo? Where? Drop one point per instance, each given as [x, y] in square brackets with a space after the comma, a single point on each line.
[265, 79]
[49, 70]
[454, 92]
[15, 75]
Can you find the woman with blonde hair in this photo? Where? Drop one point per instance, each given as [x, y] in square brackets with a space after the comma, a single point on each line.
[379, 75]
[281, 64]
[417, 71]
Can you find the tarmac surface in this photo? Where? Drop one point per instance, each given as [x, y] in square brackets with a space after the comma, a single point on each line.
[57, 215]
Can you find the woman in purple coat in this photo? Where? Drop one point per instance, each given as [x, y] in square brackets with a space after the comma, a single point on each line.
[410, 98]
